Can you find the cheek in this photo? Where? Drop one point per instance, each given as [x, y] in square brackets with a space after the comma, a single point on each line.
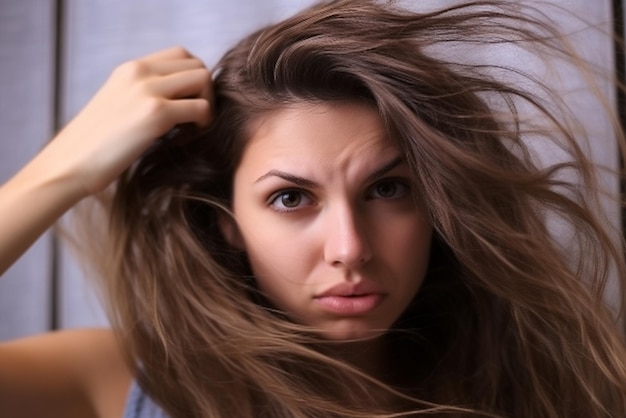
[281, 273]
[406, 237]
[280, 255]
[408, 252]
[276, 247]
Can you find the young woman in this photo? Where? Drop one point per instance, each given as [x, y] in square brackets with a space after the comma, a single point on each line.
[346, 222]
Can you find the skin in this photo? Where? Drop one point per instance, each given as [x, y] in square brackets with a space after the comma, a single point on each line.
[323, 199]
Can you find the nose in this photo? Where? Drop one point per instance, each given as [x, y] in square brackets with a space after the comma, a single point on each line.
[346, 242]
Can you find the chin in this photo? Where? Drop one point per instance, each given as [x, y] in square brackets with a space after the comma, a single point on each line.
[351, 333]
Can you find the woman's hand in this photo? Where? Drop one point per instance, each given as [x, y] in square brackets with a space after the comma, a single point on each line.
[141, 101]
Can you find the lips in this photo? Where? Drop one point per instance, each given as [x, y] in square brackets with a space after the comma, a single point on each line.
[351, 289]
[351, 299]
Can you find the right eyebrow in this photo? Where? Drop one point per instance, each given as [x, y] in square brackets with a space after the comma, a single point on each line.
[297, 180]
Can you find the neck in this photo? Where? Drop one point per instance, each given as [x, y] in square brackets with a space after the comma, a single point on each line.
[369, 356]
[374, 358]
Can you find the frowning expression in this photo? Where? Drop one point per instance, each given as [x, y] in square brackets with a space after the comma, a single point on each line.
[325, 211]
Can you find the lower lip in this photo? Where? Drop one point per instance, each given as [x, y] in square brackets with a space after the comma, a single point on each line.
[350, 305]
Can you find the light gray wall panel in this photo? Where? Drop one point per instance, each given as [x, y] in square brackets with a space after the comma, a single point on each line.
[588, 25]
[26, 72]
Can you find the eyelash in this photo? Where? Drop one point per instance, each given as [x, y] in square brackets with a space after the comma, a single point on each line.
[276, 196]
[400, 183]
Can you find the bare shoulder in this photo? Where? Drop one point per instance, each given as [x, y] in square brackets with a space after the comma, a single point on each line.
[74, 373]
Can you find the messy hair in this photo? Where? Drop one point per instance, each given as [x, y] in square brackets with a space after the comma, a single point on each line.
[510, 321]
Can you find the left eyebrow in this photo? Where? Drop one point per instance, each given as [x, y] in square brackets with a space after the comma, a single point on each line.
[384, 169]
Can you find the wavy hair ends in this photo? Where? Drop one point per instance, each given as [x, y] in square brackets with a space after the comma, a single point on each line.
[506, 324]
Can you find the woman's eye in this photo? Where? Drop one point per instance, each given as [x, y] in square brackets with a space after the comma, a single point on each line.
[389, 189]
[289, 200]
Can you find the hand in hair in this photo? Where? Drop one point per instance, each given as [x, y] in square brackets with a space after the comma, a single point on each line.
[142, 100]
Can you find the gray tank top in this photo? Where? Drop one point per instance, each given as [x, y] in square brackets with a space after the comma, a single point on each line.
[139, 405]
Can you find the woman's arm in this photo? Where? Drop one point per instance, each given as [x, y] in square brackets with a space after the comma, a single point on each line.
[141, 101]
[76, 373]
[81, 373]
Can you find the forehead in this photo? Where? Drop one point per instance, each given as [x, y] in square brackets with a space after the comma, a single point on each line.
[337, 131]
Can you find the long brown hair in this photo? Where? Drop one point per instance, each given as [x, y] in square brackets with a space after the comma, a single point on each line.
[507, 323]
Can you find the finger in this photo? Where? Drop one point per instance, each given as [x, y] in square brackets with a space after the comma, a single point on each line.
[165, 67]
[207, 93]
[196, 111]
[168, 53]
[190, 83]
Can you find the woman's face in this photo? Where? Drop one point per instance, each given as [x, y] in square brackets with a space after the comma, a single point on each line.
[325, 212]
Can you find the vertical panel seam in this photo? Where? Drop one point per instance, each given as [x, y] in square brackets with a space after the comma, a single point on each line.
[620, 103]
[620, 75]
[57, 91]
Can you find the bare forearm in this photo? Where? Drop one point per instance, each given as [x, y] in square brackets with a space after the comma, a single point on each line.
[30, 203]
[139, 103]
